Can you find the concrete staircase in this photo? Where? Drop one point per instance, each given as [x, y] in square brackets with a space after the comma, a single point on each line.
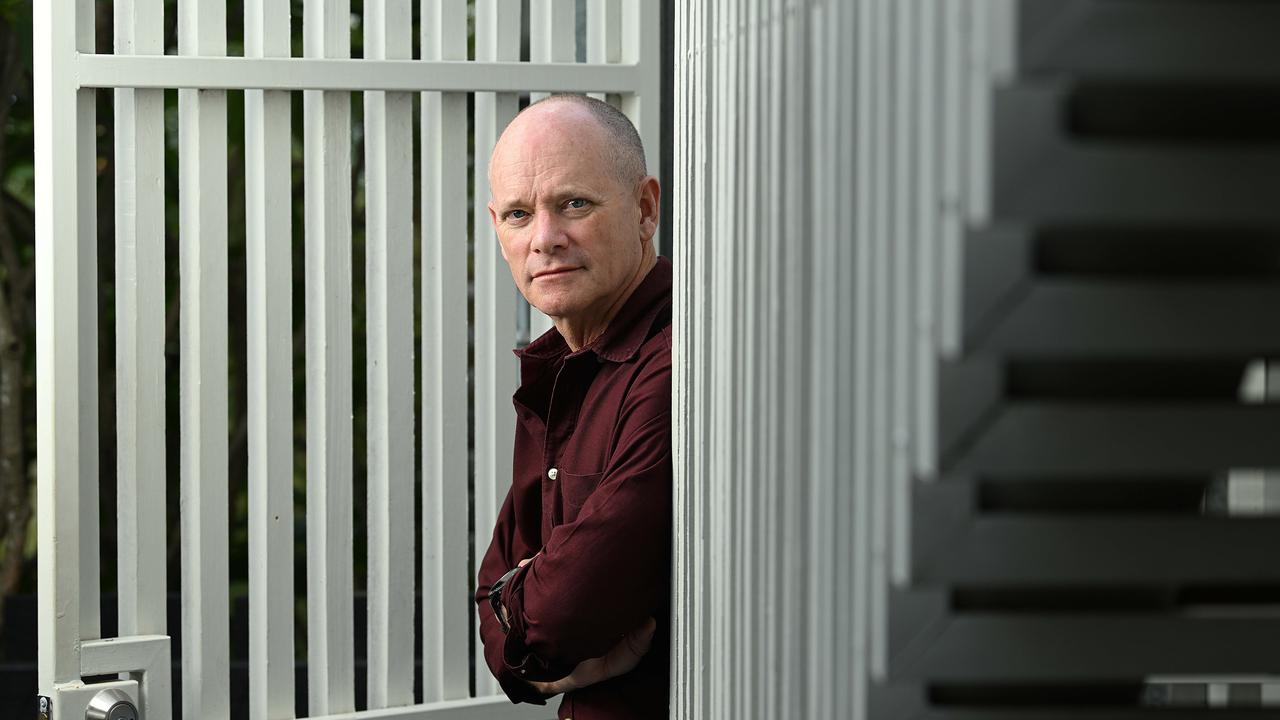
[1099, 535]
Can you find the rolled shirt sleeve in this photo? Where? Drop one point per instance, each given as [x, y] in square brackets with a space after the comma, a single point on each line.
[497, 561]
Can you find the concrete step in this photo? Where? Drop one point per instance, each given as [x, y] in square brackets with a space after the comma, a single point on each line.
[1109, 292]
[1094, 713]
[1170, 38]
[1072, 439]
[1111, 319]
[1021, 550]
[1087, 648]
[1046, 172]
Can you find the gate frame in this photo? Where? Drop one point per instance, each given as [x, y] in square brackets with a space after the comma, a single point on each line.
[67, 73]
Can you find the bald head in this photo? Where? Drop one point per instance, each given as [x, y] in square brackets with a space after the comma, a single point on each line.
[620, 144]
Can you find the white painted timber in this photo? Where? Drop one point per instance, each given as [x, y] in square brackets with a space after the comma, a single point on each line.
[552, 38]
[625, 66]
[330, 453]
[604, 33]
[927, 232]
[140, 327]
[552, 34]
[795, 291]
[268, 245]
[389, 336]
[880, 356]
[66, 340]
[903, 264]
[641, 43]
[764, 248]
[488, 708]
[747, 185]
[862, 586]
[146, 657]
[280, 73]
[203, 386]
[822, 682]
[849, 687]
[682, 442]
[497, 38]
[446, 605]
[951, 201]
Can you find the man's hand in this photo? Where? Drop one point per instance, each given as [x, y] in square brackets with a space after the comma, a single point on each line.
[620, 660]
[506, 616]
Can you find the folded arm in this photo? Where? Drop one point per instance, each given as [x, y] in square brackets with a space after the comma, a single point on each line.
[601, 576]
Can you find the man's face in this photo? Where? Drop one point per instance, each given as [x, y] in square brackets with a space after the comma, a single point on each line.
[570, 228]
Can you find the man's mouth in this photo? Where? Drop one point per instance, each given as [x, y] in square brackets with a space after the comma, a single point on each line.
[553, 272]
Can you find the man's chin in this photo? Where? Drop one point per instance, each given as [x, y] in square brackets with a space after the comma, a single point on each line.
[554, 307]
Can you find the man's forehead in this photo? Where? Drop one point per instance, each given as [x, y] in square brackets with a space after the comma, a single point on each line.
[550, 126]
[546, 153]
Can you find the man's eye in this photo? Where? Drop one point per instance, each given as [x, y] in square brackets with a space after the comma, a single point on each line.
[577, 203]
[517, 215]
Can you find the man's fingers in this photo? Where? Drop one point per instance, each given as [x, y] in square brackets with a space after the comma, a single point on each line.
[526, 561]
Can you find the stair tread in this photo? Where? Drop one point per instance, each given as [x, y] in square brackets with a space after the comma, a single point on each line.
[1101, 550]
[1077, 438]
[1081, 317]
[1093, 647]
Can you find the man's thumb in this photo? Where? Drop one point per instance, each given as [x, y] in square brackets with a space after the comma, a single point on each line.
[641, 638]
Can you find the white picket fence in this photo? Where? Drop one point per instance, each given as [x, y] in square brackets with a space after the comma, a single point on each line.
[623, 43]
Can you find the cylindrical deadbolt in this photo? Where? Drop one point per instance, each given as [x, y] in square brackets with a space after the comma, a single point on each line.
[111, 705]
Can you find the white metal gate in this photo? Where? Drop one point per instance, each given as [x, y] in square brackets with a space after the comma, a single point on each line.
[623, 59]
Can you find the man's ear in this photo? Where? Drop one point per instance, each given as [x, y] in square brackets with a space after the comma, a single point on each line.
[650, 202]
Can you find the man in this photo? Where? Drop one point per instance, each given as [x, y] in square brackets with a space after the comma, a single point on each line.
[573, 593]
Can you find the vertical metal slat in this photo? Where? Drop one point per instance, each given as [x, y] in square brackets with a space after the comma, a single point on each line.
[330, 582]
[203, 386]
[641, 42]
[552, 38]
[140, 327]
[604, 33]
[446, 610]
[268, 242]
[497, 35]
[389, 335]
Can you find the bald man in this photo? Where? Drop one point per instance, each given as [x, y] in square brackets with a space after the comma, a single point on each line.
[573, 593]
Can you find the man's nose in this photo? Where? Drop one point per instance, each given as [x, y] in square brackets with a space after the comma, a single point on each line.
[548, 233]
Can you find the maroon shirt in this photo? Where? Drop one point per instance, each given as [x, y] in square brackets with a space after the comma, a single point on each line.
[592, 493]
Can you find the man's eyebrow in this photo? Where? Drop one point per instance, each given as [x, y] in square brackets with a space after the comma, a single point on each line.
[506, 206]
[576, 192]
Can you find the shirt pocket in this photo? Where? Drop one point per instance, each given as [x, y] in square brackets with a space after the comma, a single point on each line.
[575, 488]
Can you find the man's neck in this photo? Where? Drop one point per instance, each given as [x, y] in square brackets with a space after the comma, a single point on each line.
[581, 332]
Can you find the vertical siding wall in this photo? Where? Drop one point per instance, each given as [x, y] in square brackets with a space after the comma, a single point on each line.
[765, 242]
[822, 151]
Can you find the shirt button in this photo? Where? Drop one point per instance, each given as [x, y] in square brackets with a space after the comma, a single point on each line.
[553, 473]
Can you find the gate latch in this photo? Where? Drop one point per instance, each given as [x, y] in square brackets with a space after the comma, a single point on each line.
[111, 705]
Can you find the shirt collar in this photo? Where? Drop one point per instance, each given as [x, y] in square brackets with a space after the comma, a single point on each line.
[626, 332]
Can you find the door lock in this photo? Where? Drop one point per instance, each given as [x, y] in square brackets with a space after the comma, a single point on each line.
[111, 705]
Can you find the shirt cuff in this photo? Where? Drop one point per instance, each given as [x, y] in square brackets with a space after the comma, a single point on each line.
[517, 656]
